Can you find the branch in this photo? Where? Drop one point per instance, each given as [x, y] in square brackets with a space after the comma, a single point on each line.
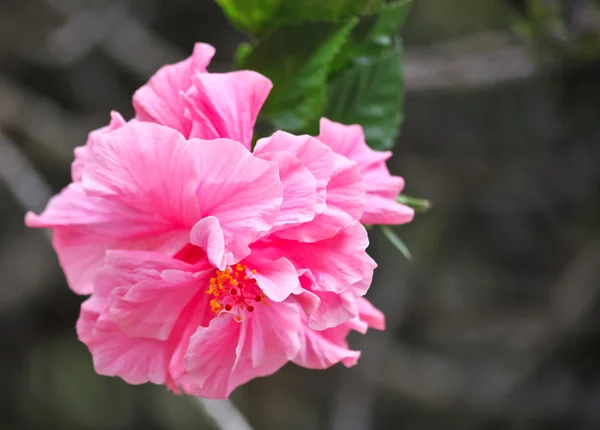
[223, 413]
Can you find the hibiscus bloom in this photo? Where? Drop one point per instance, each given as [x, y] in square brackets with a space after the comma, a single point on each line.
[209, 265]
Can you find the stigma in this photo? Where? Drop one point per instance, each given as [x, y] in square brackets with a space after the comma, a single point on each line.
[234, 290]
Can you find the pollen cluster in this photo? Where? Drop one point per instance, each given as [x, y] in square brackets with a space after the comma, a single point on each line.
[233, 290]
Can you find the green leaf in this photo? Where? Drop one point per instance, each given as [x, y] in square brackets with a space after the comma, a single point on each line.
[249, 15]
[297, 11]
[419, 205]
[241, 53]
[297, 59]
[373, 35]
[396, 241]
[372, 95]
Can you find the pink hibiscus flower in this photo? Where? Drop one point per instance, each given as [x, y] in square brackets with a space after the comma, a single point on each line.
[185, 238]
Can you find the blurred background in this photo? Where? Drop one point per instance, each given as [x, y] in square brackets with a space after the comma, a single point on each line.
[494, 324]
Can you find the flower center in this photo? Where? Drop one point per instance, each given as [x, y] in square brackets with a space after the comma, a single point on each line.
[234, 291]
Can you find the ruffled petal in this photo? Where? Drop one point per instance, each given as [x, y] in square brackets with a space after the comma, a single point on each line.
[151, 306]
[115, 354]
[226, 105]
[345, 202]
[146, 167]
[85, 227]
[323, 349]
[383, 210]
[299, 190]
[314, 155]
[243, 192]
[228, 353]
[82, 152]
[276, 278]
[161, 100]
[337, 263]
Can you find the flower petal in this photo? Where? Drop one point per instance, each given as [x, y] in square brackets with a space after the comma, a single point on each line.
[336, 263]
[115, 354]
[333, 310]
[299, 190]
[383, 210]
[323, 349]
[208, 235]
[226, 105]
[314, 155]
[349, 141]
[370, 314]
[345, 202]
[161, 101]
[228, 353]
[151, 306]
[243, 192]
[276, 278]
[146, 167]
[85, 227]
[82, 152]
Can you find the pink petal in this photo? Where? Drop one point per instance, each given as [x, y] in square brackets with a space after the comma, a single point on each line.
[85, 227]
[299, 190]
[336, 263]
[147, 167]
[226, 105]
[82, 152]
[381, 188]
[115, 354]
[160, 100]
[227, 353]
[304, 296]
[150, 307]
[323, 349]
[349, 141]
[243, 192]
[345, 202]
[313, 154]
[383, 210]
[333, 310]
[276, 278]
[370, 314]
[208, 235]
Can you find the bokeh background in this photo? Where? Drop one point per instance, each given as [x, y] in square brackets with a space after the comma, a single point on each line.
[494, 324]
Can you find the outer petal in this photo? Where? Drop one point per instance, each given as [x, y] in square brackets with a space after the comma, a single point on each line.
[115, 354]
[314, 155]
[345, 202]
[227, 353]
[226, 105]
[299, 190]
[323, 349]
[333, 310]
[243, 192]
[85, 227]
[349, 141]
[82, 152]
[381, 187]
[336, 263]
[383, 210]
[370, 314]
[146, 167]
[161, 101]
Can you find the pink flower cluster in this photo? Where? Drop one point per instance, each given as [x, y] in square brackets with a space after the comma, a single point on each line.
[208, 264]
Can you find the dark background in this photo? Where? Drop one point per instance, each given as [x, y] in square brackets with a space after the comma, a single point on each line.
[493, 325]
